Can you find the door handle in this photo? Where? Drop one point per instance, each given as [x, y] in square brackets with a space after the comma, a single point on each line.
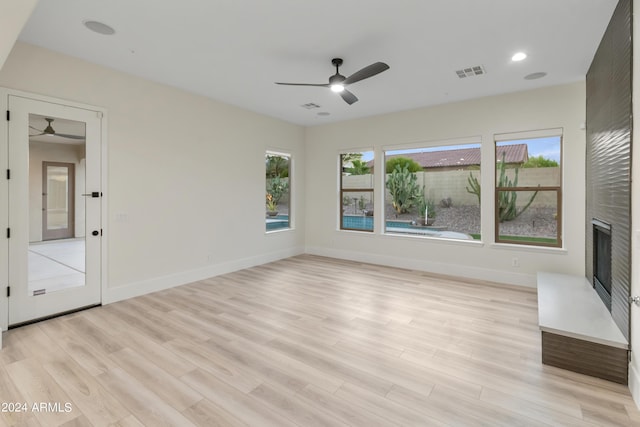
[93, 194]
[95, 233]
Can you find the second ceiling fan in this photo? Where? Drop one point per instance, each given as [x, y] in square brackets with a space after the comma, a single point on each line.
[49, 131]
[338, 82]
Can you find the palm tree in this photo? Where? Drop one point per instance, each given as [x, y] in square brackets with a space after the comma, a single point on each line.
[358, 167]
[277, 167]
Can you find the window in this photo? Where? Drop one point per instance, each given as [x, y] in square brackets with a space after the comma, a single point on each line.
[356, 191]
[434, 191]
[528, 197]
[278, 191]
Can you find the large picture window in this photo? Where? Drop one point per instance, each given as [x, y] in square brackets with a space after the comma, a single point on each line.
[528, 195]
[278, 191]
[356, 191]
[430, 191]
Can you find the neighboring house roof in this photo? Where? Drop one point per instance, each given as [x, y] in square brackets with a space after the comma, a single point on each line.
[514, 154]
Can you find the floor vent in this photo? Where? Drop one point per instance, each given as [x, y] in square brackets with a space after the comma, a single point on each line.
[478, 70]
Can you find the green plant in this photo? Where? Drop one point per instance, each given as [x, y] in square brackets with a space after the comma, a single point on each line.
[358, 167]
[421, 204]
[507, 208]
[410, 164]
[431, 209]
[272, 205]
[362, 203]
[277, 166]
[540, 162]
[350, 157]
[403, 188]
[425, 205]
[475, 186]
[277, 187]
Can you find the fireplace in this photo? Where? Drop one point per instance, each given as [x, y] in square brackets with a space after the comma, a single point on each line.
[602, 260]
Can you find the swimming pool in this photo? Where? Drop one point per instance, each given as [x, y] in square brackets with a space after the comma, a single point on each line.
[356, 222]
[366, 222]
[277, 222]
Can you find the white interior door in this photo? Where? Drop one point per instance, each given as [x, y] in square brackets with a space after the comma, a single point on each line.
[52, 276]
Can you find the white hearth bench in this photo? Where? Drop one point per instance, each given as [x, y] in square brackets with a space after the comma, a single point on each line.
[578, 332]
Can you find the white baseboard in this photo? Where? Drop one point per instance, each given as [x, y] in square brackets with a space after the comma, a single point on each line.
[160, 283]
[634, 384]
[459, 270]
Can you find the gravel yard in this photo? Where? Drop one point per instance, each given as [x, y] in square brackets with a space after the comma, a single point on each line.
[534, 222]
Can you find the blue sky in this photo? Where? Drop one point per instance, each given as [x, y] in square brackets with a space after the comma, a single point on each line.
[547, 147]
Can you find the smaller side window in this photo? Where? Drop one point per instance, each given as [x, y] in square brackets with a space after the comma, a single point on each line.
[528, 195]
[278, 191]
[356, 191]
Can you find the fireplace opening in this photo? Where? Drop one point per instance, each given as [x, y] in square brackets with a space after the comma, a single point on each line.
[602, 260]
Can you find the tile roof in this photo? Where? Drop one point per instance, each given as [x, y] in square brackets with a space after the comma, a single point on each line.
[514, 153]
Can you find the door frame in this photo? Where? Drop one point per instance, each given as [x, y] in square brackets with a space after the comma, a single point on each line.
[70, 231]
[4, 193]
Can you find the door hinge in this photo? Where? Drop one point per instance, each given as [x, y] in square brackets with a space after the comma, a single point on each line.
[8, 291]
[8, 233]
[8, 115]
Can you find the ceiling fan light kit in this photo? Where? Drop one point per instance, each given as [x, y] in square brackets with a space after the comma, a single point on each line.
[338, 82]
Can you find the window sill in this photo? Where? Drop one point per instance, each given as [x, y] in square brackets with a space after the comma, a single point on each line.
[280, 230]
[528, 248]
[477, 243]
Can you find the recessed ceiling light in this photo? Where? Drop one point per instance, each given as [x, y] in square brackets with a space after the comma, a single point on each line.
[518, 56]
[99, 27]
[534, 76]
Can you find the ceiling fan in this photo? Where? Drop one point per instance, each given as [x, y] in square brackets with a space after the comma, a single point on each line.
[338, 82]
[49, 131]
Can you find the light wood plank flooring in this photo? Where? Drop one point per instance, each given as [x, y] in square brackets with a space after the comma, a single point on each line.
[306, 341]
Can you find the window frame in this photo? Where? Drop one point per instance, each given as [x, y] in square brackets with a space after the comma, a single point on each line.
[475, 141]
[513, 137]
[290, 216]
[342, 191]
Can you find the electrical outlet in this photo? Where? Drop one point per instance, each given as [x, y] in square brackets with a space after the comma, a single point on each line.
[515, 262]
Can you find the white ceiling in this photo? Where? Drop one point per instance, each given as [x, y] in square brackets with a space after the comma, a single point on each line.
[234, 50]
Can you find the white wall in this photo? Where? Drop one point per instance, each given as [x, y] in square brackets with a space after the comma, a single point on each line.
[186, 174]
[13, 15]
[554, 107]
[634, 367]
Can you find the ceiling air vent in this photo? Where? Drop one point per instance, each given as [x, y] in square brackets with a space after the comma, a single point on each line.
[471, 71]
[310, 106]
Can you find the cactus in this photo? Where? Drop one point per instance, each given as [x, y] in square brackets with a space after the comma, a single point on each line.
[475, 186]
[507, 209]
[403, 187]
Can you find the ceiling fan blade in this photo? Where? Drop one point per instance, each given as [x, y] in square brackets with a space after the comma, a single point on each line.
[66, 135]
[348, 97]
[303, 84]
[34, 128]
[37, 134]
[366, 72]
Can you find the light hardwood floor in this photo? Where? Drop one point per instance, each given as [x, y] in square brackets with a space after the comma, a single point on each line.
[306, 341]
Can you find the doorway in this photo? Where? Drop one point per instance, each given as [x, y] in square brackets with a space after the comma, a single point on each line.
[58, 200]
[55, 205]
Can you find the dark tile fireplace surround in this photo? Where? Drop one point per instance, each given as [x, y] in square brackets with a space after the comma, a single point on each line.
[608, 177]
